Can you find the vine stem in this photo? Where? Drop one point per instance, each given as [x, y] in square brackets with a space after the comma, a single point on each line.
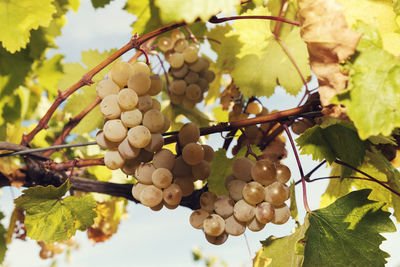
[23, 150]
[190, 33]
[73, 163]
[303, 180]
[72, 124]
[367, 175]
[338, 177]
[172, 136]
[225, 126]
[282, 12]
[216, 20]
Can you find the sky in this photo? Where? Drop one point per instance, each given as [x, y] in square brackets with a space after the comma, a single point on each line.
[163, 238]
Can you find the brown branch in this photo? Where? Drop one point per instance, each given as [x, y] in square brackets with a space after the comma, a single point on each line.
[216, 20]
[71, 124]
[73, 163]
[226, 126]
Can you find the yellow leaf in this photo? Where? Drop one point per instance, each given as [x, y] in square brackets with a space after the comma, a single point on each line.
[18, 17]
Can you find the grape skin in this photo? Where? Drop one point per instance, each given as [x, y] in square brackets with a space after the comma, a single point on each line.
[172, 195]
[197, 218]
[214, 225]
[151, 196]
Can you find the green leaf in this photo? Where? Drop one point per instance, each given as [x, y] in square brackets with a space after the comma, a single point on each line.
[373, 97]
[347, 233]
[254, 35]
[221, 166]
[50, 218]
[259, 75]
[378, 161]
[291, 14]
[147, 14]
[396, 7]
[380, 139]
[194, 115]
[49, 73]
[334, 139]
[82, 98]
[3, 246]
[19, 17]
[190, 10]
[283, 251]
[100, 3]
[293, 204]
[228, 48]
[220, 115]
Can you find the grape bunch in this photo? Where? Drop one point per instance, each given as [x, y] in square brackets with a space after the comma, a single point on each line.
[191, 74]
[257, 195]
[168, 178]
[155, 187]
[49, 250]
[133, 120]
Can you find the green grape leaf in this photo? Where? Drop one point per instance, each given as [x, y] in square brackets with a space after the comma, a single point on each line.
[283, 251]
[375, 165]
[19, 17]
[49, 73]
[194, 115]
[293, 204]
[190, 10]
[373, 97]
[254, 35]
[221, 166]
[82, 98]
[379, 14]
[147, 14]
[334, 139]
[259, 75]
[346, 232]
[291, 14]
[74, 4]
[396, 7]
[380, 139]
[100, 3]
[227, 49]
[3, 246]
[50, 218]
[148, 18]
[378, 161]
[220, 115]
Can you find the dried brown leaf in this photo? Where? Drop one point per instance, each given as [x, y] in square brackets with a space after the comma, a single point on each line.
[330, 42]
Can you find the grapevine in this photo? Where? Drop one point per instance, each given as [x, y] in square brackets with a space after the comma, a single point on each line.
[143, 128]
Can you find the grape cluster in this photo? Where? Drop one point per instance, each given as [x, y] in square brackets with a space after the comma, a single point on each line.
[155, 187]
[169, 178]
[257, 195]
[191, 74]
[133, 120]
[49, 250]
